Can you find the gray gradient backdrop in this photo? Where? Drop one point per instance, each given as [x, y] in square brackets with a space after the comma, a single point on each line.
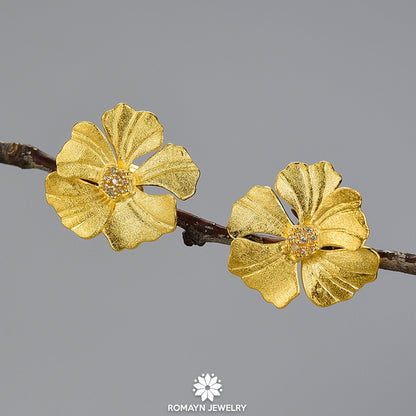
[246, 87]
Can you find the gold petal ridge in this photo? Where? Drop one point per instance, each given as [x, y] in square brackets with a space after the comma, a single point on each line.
[132, 133]
[259, 211]
[305, 186]
[266, 268]
[85, 154]
[341, 221]
[335, 275]
[171, 168]
[83, 208]
[142, 217]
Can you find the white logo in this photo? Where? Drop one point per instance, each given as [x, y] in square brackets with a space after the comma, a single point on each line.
[207, 386]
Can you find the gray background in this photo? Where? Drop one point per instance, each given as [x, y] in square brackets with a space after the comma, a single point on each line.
[246, 87]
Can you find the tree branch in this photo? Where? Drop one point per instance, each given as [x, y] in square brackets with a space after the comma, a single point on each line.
[197, 231]
[26, 157]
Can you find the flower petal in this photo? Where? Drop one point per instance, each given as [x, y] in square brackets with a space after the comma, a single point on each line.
[85, 154]
[215, 392]
[207, 379]
[304, 186]
[141, 217]
[202, 381]
[199, 392]
[204, 395]
[199, 386]
[266, 268]
[210, 395]
[216, 386]
[340, 220]
[82, 207]
[171, 168]
[132, 133]
[335, 275]
[213, 381]
[259, 211]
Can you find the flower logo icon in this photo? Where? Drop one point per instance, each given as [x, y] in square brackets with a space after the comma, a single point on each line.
[207, 386]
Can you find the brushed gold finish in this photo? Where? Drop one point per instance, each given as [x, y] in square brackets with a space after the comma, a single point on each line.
[85, 154]
[332, 276]
[171, 168]
[328, 240]
[266, 268]
[305, 186]
[132, 133]
[82, 206]
[97, 190]
[341, 220]
[142, 217]
[259, 211]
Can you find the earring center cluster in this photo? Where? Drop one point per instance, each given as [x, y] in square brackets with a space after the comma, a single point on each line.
[302, 241]
[116, 182]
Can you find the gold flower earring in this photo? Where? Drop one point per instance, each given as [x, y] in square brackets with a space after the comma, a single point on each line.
[97, 190]
[328, 240]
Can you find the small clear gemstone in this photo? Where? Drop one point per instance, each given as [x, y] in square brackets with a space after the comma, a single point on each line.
[116, 182]
[302, 241]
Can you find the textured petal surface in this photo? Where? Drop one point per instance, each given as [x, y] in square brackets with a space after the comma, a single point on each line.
[171, 168]
[85, 154]
[142, 217]
[341, 221]
[266, 268]
[82, 207]
[132, 133]
[335, 275]
[305, 186]
[259, 211]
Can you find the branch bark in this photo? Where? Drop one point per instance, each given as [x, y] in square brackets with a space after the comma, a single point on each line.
[197, 231]
[26, 157]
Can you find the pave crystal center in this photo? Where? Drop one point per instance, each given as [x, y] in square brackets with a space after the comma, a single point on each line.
[116, 182]
[302, 241]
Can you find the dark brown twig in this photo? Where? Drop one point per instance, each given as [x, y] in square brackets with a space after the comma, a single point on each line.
[397, 261]
[197, 231]
[26, 157]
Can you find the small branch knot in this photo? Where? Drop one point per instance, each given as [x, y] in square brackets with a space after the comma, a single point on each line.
[192, 238]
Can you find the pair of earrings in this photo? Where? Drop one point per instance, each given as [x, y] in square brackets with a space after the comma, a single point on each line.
[97, 188]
